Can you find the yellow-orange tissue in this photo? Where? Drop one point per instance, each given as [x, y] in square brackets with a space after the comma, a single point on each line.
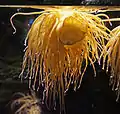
[111, 54]
[59, 43]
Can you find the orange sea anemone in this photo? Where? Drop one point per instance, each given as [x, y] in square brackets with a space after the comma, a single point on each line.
[60, 43]
[26, 104]
[111, 54]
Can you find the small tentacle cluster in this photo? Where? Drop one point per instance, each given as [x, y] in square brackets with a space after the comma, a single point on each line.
[26, 104]
[111, 54]
[60, 44]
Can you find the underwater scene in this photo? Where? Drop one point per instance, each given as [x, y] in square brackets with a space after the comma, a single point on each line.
[60, 59]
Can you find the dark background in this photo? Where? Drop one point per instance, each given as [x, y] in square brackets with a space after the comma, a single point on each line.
[77, 2]
[95, 95]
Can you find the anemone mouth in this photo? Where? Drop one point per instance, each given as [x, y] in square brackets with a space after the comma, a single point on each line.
[71, 31]
[70, 35]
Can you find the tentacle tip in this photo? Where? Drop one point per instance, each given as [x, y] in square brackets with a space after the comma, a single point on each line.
[42, 102]
[20, 75]
[111, 76]
[38, 89]
[75, 89]
[116, 89]
[65, 91]
[14, 32]
[24, 44]
[95, 75]
[99, 62]
[102, 68]
[78, 87]
[117, 99]
[112, 89]
[111, 24]
[107, 71]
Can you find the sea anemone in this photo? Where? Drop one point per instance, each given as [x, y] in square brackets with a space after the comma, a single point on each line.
[111, 55]
[25, 104]
[60, 44]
